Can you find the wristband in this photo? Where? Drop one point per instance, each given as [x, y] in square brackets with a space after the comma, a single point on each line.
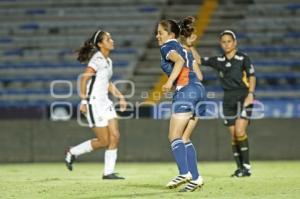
[84, 101]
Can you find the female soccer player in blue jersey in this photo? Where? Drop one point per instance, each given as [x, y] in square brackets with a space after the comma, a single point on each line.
[185, 75]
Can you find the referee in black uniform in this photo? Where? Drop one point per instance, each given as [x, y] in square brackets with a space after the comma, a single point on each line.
[236, 74]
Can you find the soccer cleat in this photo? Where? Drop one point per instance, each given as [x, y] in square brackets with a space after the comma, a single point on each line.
[246, 172]
[69, 159]
[112, 176]
[193, 185]
[242, 173]
[237, 173]
[179, 180]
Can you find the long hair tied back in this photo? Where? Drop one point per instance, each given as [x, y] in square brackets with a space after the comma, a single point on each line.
[186, 26]
[90, 46]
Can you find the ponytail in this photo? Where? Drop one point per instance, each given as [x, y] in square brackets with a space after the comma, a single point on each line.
[186, 26]
[90, 47]
[86, 51]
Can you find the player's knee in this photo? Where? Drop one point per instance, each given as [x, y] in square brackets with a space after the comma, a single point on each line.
[185, 139]
[115, 137]
[173, 137]
[96, 143]
[105, 140]
[239, 132]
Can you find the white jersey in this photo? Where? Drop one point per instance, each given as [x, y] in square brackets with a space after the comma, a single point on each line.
[97, 87]
[100, 107]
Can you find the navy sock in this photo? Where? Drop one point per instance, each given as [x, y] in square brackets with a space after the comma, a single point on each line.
[192, 160]
[179, 153]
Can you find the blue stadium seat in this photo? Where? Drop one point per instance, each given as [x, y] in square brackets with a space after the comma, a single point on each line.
[5, 40]
[147, 9]
[36, 11]
[29, 26]
[293, 6]
[265, 49]
[278, 63]
[7, 65]
[46, 78]
[13, 52]
[292, 35]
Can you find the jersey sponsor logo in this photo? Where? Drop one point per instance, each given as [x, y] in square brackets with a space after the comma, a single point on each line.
[239, 57]
[228, 64]
[221, 58]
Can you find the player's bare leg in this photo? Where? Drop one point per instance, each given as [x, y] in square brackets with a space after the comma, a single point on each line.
[177, 126]
[101, 140]
[110, 156]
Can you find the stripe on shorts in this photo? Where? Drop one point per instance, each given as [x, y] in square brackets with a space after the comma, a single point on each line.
[91, 115]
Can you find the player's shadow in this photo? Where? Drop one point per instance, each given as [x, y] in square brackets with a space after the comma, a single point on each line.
[148, 186]
[157, 191]
[136, 195]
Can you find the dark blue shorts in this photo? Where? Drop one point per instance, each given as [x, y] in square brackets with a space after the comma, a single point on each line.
[190, 98]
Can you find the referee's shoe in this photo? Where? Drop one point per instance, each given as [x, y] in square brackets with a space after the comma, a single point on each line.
[112, 176]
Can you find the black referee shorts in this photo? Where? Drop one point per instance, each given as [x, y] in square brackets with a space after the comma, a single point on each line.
[233, 106]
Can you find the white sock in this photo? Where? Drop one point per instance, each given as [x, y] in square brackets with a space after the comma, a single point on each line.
[199, 180]
[110, 158]
[82, 148]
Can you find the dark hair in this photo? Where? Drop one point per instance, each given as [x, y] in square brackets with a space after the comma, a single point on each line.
[228, 32]
[186, 26]
[90, 46]
[170, 26]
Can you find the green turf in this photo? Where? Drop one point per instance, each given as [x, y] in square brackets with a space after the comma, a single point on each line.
[147, 180]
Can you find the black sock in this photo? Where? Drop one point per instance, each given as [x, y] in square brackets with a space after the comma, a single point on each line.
[236, 155]
[244, 149]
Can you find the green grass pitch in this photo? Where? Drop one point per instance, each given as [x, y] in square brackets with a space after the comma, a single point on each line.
[270, 180]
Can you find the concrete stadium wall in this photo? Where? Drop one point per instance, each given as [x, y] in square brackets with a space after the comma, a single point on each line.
[145, 140]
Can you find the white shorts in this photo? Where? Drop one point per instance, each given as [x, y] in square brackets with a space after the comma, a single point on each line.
[99, 113]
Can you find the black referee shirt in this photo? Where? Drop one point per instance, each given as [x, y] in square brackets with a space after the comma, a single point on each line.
[233, 73]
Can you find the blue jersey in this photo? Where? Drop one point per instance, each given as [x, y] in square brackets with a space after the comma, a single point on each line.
[189, 97]
[187, 75]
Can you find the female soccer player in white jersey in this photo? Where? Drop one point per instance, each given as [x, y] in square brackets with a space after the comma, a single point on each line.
[95, 84]
[183, 73]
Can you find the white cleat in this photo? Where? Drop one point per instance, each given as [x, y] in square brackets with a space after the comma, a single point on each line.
[179, 180]
[193, 185]
[69, 159]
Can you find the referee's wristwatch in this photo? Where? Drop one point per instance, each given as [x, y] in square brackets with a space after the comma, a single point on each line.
[251, 93]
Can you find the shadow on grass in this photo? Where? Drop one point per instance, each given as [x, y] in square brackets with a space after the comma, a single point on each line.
[134, 195]
[158, 190]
